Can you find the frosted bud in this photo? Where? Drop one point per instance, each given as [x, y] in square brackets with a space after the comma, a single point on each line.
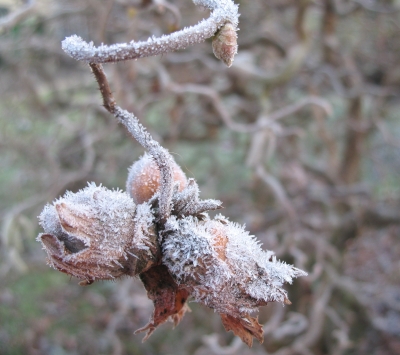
[144, 178]
[98, 234]
[224, 44]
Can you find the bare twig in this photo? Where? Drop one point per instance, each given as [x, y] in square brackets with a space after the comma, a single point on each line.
[264, 122]
[277, 189]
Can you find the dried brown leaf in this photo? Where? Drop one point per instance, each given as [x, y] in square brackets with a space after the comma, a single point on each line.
[168, 299]
[245, 328]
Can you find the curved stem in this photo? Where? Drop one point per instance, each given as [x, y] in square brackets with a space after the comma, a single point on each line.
[161, 156]
[223, 11]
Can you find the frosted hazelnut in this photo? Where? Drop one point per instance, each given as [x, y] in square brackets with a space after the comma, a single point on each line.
[144, 179]
[223, 266]
[98, 234]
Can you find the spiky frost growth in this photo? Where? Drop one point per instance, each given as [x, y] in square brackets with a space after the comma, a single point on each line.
[258, 271]
[97, 233]
[222, 12]
[144, 230]
[189, 255]
[188, 203]
[144, 178]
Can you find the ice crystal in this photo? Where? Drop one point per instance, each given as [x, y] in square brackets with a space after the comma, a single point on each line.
[144, 227]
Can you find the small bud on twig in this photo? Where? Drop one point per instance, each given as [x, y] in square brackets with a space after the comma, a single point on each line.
[224, 44]
[222, 11]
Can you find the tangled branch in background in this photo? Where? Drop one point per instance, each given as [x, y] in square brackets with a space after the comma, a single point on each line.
[162, 231]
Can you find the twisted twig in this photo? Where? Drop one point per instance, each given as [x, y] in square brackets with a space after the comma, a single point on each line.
[222, 12]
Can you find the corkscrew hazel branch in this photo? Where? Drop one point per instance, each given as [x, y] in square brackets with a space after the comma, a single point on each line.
[222, 12]
[161, 156]
[214, 260]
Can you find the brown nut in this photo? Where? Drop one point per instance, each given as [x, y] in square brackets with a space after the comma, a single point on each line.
[144, 179]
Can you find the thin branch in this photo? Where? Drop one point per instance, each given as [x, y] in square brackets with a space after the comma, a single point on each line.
[277, 189]
[222, 12]
[105, 90]
[161, 156]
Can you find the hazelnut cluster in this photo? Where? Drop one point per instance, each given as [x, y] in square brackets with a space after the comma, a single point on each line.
[99, 234]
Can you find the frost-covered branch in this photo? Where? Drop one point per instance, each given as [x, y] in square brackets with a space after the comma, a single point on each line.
[222, 12]
[161, 156]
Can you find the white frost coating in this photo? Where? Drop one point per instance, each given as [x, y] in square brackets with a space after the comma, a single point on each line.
[189, 254]
[144, 220]
[48, 219]
[223, 11]
[225, 267]
[258, 271]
